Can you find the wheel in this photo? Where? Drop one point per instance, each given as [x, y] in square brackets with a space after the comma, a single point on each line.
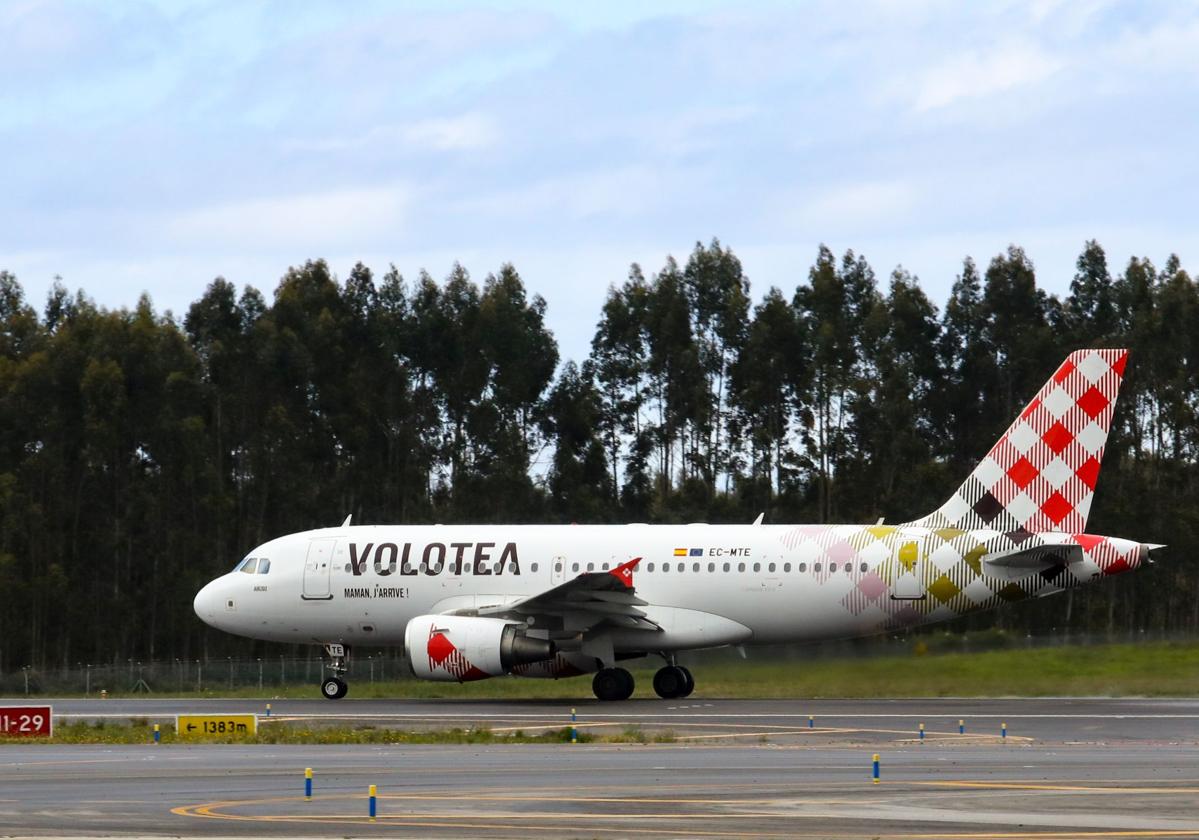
[670, 682]
[690, 686]
[613, 684]
[334, 688]
[626, 690]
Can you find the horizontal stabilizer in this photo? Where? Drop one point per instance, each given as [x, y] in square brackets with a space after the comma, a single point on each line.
[1034, 559]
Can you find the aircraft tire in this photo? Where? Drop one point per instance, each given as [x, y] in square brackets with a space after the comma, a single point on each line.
[613, 684]
[334, 689]
[670, 682]
[690, 686]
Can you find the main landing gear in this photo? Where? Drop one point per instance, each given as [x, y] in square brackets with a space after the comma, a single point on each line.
[673, 682]
[612, 684]
[334, 687]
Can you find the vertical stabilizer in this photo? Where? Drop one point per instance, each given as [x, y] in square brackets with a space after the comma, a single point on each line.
[1041, 474]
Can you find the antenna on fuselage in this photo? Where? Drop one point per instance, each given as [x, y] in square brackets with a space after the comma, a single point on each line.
[346, 524]
[761, 516]
[880, 521]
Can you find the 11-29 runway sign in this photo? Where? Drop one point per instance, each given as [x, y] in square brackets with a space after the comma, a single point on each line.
[27, 721]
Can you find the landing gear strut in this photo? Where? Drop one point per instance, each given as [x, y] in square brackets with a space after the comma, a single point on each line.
[613, 684]
[334, 687]
[673, 682]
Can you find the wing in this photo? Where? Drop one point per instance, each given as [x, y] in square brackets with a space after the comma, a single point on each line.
[589, 600]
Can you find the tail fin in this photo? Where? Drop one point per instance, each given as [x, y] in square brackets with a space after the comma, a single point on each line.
[1041, 474]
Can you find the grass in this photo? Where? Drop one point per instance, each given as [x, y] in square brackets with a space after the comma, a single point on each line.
[1151, 669]
[142, 732]
[1156, 669]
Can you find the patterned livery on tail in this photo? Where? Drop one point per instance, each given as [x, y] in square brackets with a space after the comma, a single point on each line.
[1041, 474]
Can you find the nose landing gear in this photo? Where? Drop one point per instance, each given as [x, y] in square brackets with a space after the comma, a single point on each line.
[334, 687]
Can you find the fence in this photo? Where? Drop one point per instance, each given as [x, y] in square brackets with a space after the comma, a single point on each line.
[232, 673]
[195, 675]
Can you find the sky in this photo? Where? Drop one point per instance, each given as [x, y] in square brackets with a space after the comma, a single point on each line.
[152, 146]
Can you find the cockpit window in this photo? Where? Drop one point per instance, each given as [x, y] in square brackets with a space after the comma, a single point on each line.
[240, 566]
[250, 565]
[264, 566]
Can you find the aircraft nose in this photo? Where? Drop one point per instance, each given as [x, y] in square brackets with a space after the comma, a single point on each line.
[206, 603]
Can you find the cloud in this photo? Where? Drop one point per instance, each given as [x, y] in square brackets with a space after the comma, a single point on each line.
[970, 75]
[854, 206]
[615, 193]
[468, 131]
[325, 219]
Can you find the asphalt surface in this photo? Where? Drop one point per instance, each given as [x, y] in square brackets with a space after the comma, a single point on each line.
[1068, 768]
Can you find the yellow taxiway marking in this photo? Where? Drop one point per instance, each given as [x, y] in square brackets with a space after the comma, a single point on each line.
[779, 729]
[458, 821]
[1058, 787]
[67, 761]
[558, 725]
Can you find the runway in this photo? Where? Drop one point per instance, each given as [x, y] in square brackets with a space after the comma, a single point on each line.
[1069, 768]
[1048, 719]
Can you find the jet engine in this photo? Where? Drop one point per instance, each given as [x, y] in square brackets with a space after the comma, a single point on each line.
[456, 648]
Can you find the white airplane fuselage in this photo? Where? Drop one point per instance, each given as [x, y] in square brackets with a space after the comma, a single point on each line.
[738, 584]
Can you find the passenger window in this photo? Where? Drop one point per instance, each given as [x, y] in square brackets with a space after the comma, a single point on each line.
[666, 567]
[604, 567]
[757, 567]
[849, 567]
[802, 567]
[574, 567]
[832, 567]
[816, 567]
[533, 567]
[695, 567]
[250, 566]
[786, 567]
[741, 567]
[711, 567]
[863, 567]
[557, 567]
[264, 566]
[770, 568]
[727, 567]
[591, 567]
[650, 567]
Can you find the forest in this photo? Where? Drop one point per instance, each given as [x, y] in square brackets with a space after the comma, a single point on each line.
[142, 454]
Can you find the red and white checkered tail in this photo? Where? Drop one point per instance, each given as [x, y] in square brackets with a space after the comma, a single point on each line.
[1041, 474]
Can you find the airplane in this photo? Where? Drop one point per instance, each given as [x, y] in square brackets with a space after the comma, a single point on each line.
[468, 602]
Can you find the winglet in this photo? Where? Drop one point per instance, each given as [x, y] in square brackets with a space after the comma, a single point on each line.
[624, 572]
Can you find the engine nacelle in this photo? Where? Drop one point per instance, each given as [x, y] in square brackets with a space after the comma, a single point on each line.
[459, 648]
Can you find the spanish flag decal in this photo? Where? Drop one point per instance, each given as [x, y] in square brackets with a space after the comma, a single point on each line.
[680, 552]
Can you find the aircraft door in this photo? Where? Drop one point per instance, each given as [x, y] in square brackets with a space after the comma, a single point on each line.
[318, 567]
[907, 558]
